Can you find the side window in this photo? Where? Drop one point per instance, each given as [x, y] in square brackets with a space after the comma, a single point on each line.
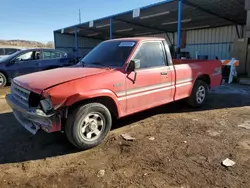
[2, 51]
[151, 54]
[47, 54]
[58, 54]
[25, 57]
[28, 56]
[52, 55]
[37, 55]
[9, 51]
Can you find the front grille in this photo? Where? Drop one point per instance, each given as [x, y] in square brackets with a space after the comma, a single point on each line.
[20, 94]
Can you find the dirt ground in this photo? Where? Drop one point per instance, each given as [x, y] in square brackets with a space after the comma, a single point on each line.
[188, 148]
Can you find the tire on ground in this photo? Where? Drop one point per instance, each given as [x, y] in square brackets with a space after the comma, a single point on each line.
[193, 98]
[3, 80]
[74, 123]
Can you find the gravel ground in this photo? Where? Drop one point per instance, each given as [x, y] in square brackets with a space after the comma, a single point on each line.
[175, 147]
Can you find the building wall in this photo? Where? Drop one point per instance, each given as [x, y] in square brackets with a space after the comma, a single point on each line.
[212, 42]
[67, 43]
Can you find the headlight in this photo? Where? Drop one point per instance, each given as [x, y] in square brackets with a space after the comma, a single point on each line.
[46, 105]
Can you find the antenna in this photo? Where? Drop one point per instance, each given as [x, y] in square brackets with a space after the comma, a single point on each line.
[80, 16]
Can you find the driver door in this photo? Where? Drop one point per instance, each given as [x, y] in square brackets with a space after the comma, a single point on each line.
[25, 63]
[150, 85]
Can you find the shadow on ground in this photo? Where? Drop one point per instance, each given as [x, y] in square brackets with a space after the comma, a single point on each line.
[17, 145]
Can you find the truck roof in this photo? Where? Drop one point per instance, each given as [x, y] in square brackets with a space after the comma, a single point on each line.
[138, 38]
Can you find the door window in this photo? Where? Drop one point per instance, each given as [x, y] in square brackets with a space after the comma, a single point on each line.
[28, 56]
[151, 54]
[25, 57]
[48, 54]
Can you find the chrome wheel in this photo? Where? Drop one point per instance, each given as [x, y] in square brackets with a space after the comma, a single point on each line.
[2, 80]
[92, 126]
[201, 94]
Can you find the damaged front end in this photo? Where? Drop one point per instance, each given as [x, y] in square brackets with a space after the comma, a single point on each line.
[33, 111]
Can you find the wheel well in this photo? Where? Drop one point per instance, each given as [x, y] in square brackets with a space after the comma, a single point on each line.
[106, 101]
[205, 78]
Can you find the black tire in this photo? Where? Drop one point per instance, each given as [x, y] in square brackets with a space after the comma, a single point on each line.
[193, 100]
[73, 126]
[3, 80]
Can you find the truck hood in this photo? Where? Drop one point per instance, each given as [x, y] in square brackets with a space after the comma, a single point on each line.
[39, 81]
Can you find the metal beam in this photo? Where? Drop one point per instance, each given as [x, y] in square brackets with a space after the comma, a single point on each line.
[242, 31]
[85, 36]
[111, 28]
[179, 27]
[76, 43]
[237, 31]
[104, 32]
[55, 39]
[145, 26]
[209, 12]
[173, 38]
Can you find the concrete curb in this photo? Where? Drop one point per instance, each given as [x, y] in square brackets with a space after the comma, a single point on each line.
[244, 81]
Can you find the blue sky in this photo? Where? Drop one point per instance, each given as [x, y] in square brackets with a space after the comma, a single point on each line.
[36, 20]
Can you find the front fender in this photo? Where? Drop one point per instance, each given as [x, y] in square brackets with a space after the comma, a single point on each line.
[91, 95]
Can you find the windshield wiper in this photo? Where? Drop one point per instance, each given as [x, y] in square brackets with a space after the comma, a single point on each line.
[97, 63]
[83, 63]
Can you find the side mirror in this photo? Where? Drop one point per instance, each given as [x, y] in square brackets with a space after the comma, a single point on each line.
[134, 64]
[12, 62]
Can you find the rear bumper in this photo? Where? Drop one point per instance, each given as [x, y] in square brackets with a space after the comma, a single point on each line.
[33, 119]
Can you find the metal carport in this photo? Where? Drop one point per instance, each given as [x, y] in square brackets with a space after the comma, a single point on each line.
[165, 17]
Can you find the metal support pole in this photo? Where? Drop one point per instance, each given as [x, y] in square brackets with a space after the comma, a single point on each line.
[179, 28]
[76, 43]
[111, 28]
[237, 31]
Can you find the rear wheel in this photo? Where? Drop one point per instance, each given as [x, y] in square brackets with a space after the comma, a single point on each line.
[88, 125]
[199, 94]
[3, 80]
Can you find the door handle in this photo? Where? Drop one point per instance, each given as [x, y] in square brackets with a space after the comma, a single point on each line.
[164, 73]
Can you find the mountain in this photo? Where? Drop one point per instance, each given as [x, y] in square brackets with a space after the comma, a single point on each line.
[26, 43]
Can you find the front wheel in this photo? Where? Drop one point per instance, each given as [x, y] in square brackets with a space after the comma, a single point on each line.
[87, 126]
[199, 94]
[3, 80]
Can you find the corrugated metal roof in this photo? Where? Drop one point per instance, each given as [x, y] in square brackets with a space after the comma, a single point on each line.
[162, 17]
[231, 10]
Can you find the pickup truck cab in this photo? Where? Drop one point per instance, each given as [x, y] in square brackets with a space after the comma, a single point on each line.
[117, 78]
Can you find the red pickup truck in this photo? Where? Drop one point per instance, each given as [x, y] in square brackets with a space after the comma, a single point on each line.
[117, 78]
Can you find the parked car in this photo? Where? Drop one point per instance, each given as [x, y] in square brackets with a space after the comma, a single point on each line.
[29, 61]
[7, 51]
[117, 78]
